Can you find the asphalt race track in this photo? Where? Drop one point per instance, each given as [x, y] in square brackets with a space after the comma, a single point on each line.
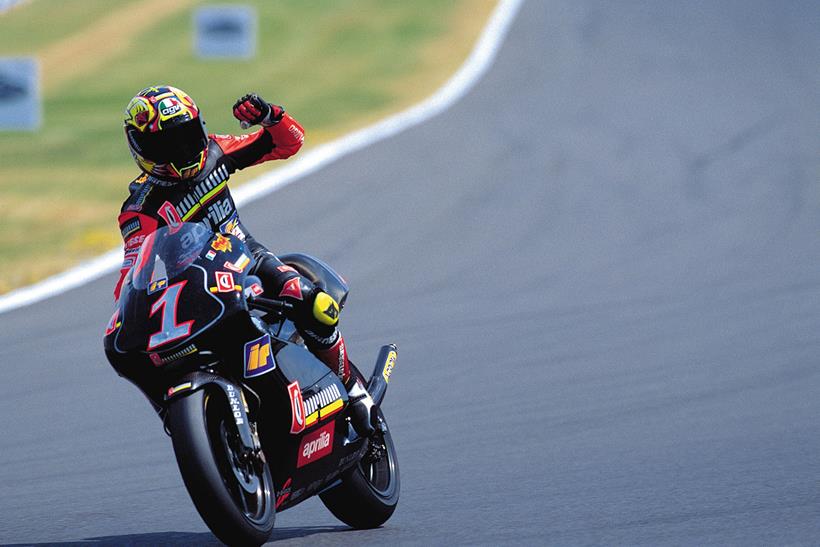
[601, 271]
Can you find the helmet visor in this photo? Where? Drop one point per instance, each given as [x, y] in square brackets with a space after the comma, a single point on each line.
[180, 144]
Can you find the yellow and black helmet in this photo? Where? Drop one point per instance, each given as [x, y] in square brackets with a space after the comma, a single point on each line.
[166, 133]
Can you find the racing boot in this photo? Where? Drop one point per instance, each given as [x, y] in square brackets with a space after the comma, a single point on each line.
[360, 403]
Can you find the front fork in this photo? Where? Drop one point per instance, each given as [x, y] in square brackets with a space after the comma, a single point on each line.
[197, 380]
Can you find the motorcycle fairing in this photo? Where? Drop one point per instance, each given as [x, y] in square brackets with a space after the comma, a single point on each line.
[297, 364]
[219, 341]
[318, 473]
[145, 315]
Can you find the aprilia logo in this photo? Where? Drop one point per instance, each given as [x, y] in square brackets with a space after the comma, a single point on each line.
[316, 446]
[203, 193]
[219, 210]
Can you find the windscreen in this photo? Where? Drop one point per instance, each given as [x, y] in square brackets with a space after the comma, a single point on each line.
[168, 252]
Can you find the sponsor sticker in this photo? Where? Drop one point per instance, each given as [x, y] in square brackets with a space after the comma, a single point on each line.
[135, 241]
[239, 264]
[235, 402]
[221, 243]
[159, 360]
[388, 366]
[331, 409]
[342, 350]
[232, 226]
[316, 445]
[169, 107]
[256, 289]
[210, 255]
[130, 227]
[224, 282]
[286, 268]
[283, 494]
[258, 357]
[159, 277]
[297, 408]
[157, 285]
[169, 213]
[323, 404]
[292, 289]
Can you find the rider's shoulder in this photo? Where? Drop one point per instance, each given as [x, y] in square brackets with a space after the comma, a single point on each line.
[139, 181]
[138, 190]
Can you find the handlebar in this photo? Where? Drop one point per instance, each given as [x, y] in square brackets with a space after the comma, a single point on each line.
[269, 304]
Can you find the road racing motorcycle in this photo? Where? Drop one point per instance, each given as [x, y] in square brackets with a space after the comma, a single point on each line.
[258, 424]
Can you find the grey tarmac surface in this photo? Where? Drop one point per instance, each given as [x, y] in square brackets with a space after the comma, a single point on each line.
[601, 271]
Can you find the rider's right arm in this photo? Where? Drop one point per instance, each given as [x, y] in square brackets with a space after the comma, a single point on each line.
[134, 227]
[274, 142]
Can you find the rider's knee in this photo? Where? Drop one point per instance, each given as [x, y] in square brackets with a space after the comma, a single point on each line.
[317, 320]
[325, 309]
[313, 308]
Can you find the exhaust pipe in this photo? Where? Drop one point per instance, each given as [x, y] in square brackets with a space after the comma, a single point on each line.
[377, 386]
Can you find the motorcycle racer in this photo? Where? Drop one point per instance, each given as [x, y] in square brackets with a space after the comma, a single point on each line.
[184, 179]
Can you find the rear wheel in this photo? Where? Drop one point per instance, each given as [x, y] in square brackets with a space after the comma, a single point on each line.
[369, 492]
[230, 486]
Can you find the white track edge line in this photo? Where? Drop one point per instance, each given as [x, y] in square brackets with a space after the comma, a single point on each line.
[457, 86]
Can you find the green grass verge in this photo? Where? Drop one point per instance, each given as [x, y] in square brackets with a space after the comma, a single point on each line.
[334, 64]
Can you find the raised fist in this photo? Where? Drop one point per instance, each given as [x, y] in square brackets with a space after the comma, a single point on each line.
[251, 109]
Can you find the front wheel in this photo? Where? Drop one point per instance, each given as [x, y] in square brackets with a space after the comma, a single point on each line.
[230, 486]
[369, 491]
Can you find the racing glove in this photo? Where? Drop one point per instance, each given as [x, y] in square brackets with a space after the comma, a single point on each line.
[251, 109]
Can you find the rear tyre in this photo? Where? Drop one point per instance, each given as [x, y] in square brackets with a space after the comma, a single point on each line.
[231, 489]
[369, 491]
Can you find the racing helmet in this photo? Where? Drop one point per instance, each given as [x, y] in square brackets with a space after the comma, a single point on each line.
[166, 133]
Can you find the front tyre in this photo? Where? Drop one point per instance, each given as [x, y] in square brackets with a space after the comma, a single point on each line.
[231, 487]
[369, 491]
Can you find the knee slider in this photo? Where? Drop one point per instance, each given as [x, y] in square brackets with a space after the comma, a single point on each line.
[325, 309]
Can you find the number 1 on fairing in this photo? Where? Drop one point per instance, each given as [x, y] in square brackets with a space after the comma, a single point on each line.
[170, 330]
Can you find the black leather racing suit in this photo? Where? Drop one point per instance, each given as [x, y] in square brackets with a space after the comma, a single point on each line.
[206, 198]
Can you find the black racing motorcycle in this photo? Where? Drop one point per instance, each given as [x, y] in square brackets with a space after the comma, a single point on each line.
[258, 424]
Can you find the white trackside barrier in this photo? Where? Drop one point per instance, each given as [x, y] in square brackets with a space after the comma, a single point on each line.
[456, 87]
